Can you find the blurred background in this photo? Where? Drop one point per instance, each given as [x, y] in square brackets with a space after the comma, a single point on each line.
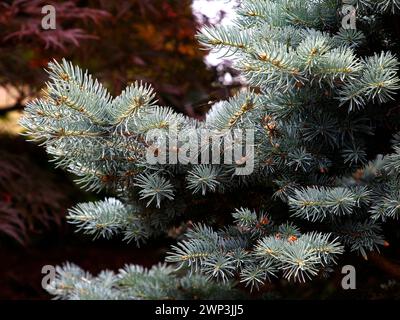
[118, 42]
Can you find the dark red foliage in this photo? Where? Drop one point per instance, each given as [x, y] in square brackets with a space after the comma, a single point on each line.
[20, 20]
[118, 41]
[32, 199]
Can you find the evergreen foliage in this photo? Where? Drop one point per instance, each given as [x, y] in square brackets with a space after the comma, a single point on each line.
[135, 282]
[313, 98]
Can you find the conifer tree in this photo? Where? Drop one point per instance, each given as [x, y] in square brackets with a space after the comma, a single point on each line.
[326, 174]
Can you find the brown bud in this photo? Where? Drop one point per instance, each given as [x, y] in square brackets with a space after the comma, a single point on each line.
[386, 244]
[264, 221]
